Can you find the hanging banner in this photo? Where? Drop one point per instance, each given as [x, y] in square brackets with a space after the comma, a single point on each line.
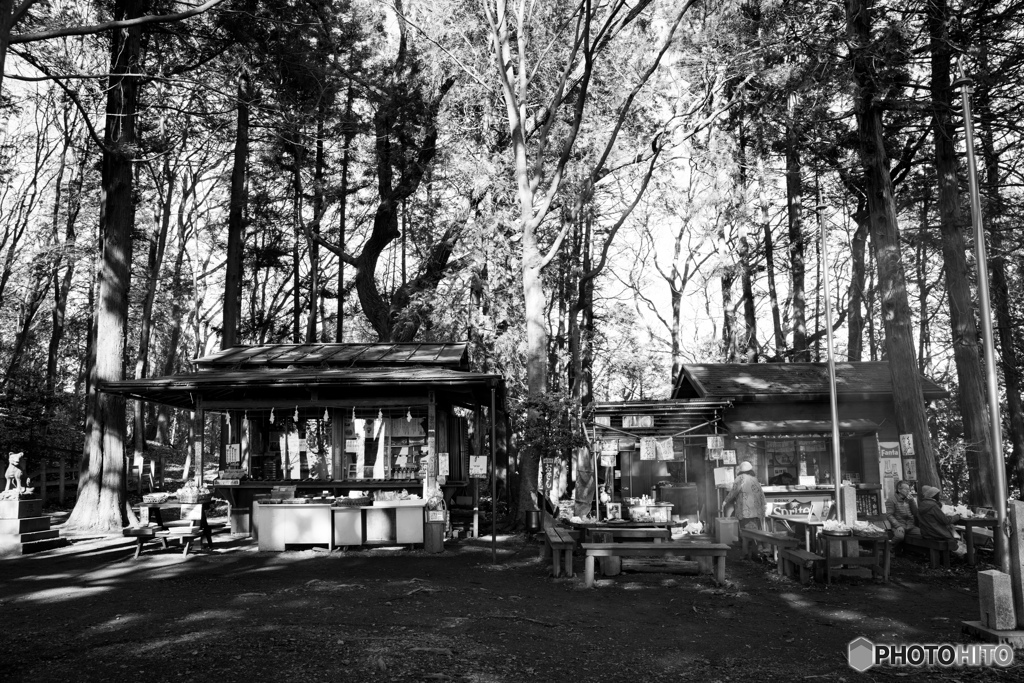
[549, 473]
[609, 447]
[907, 445]
[442, 465]
[648, 448]
[607, 461]
[665, 449]
[715, 453]
[716, 442]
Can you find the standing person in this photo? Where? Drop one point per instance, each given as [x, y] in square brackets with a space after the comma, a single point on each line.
[748, 498]
[901, 513]
[936, 524]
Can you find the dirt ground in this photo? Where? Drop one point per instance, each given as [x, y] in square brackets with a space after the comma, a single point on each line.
[89, 612]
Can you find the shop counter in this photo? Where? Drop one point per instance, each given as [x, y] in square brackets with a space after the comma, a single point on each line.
[279, 525]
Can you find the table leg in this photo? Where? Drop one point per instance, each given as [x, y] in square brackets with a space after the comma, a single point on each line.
[568, 562]
[969, 533]
[588, 571]
[720, 569]
[138, 548]
[885, 560]
[556, 562]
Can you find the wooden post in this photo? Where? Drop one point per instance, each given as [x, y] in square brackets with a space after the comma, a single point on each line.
[42, 479]
[60, 486]
[197, 444]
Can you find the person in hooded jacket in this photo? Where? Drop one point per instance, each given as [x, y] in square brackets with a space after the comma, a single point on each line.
[933, 522]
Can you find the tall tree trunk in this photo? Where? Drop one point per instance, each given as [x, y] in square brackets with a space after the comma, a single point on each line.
[855, 305]
[971, 395]
[778, 334]
[233, 269]
[101, 495]
[62, 286]
[318, 212]
[797, 265]
[895, 308]
[157, 246]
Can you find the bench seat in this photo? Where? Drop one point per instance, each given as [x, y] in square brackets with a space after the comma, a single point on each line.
[937, 549]
[559, 541]
[634, 549]
[799, 561]
[751, 537]
[143, 535]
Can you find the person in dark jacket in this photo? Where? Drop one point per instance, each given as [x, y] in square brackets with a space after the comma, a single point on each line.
[933, 522]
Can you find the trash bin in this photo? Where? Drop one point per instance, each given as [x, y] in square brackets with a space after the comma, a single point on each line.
[433, 530]
[727, 529]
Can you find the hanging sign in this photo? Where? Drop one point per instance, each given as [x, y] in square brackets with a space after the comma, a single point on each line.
[609, 446]
[729, 457]
[634, 421]
[907, 445]
[648, 448]
[724, 476]
[716, 442]
[549, 473]
[233, 453]
[442, 464]
[715, 453]
[607, 461]
[665, 449]
[910, 469]
[478, 466]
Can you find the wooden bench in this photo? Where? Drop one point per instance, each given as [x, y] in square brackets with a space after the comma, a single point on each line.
[778, 541]
[557, 541]
[797, 561]
[715, 550]
[143, 535]
[655, 534]
[937, 549]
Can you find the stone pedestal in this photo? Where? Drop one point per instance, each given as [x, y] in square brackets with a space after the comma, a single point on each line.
[996, 600]
[24, 529]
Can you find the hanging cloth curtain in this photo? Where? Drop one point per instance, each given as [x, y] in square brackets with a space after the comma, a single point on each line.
[379, 430]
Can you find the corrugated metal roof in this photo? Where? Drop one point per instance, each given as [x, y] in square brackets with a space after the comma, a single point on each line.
[766, 380]
[776, 427]
[671, 417]
[448, 355]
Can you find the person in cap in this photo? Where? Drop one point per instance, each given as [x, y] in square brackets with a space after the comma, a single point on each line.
[747, 499]
[934, 523]
[901, 513]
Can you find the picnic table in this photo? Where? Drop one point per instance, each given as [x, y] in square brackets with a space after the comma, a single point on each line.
[800, 526]
[967, 526]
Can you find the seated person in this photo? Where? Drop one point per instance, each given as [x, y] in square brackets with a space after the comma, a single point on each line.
[934, 523]
[901, 513]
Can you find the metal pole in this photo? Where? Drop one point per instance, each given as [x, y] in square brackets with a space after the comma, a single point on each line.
[494, 482]
[833, 401]
[1002, 549]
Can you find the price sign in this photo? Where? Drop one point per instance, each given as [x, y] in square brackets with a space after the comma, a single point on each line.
[478, 466]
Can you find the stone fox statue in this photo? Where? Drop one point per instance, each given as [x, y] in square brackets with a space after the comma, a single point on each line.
[14, 474]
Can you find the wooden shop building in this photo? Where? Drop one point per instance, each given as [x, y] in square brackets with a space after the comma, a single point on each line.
[309, 423]
[776, 416]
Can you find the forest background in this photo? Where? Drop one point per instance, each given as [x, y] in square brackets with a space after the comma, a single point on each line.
[591, 194]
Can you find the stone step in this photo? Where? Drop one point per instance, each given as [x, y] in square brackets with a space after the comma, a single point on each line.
[9, 547]
[39, 546]
[24, 525]
[19, 509]
[42, 535]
